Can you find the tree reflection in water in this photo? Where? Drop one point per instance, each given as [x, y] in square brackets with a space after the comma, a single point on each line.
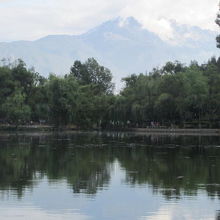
[218, 216]
[171, 165]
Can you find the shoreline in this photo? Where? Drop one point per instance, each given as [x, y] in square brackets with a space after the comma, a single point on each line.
[174, 131]
[26, 128]
[198, 131]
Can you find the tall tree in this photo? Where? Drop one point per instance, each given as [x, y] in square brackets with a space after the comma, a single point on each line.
[15, 108]
[217, 21]
[91, 73]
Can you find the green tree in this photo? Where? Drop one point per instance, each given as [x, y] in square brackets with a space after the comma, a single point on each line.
[91, 73]
[15, 109]
[62, 99]
[218, 23]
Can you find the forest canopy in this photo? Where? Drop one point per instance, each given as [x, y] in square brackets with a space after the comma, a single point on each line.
[173, 95]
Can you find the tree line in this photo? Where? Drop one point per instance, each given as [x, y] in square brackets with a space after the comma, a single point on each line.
[173, 95]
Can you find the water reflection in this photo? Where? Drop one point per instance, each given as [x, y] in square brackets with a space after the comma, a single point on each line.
[218, 216]
[171, 165]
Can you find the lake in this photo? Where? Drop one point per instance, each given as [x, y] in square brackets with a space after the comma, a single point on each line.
[109, 176]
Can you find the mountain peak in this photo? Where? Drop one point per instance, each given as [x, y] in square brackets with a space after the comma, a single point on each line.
[129, 21]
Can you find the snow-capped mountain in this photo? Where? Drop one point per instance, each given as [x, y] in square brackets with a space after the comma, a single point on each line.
[124, 46]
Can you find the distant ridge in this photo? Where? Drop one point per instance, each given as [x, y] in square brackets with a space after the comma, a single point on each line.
[121, 45]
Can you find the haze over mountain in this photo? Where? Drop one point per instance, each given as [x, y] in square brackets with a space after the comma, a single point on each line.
[121, 45]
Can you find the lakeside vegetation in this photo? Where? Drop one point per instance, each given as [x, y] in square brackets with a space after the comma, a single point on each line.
[173, 95]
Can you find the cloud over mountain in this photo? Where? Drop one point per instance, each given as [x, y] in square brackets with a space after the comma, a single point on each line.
[32, 19]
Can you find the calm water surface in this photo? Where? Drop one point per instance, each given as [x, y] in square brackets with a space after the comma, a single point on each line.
[106, 176]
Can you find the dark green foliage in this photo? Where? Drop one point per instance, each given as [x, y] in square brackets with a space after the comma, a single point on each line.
[15, 109]
[172, 95]
[81, 98]
[91, 73]
[217, 21]
[17, 89]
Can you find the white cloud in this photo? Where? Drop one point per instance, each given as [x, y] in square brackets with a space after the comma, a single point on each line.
[155, 14]
[22, 19]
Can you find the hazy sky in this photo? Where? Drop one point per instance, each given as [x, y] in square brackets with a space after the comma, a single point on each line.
[31, 19]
